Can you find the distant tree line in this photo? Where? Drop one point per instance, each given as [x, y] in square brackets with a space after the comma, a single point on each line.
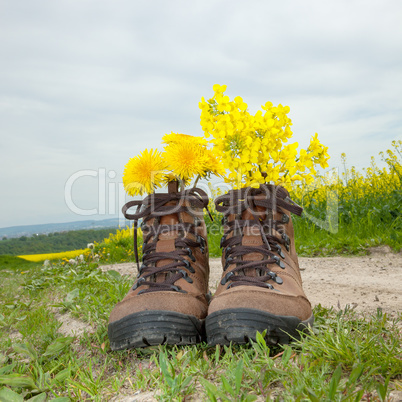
[53, 242]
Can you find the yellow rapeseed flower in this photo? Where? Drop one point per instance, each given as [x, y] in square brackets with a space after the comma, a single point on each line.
[65, 255]
[144, 172]
[249, 145]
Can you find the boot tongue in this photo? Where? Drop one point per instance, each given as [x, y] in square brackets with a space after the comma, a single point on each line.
[251, 237]
[166, 241]
[171, 219]
[173, 187]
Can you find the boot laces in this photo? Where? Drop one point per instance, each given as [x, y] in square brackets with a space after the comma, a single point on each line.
[260, 202]
[155, 206]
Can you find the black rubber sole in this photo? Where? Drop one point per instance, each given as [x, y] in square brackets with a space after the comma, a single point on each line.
[241, 325]
[157, 327]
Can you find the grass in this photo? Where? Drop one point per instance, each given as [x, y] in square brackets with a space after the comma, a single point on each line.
[361, 224]
[348, 357]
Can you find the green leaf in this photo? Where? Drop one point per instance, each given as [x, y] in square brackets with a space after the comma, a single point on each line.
[359, 395]
[26, 349]
[6, 395]
[355, 374]
[72, 295]
[260, 338]
[163, 363]
[287, 353]
[239, 376]
[3, 358]
[38, 398]
[227, 387]
[62, 375]
[61, 399]
[210, 389]
[217, 353]
[313, 397]
[382, 389]
[114, 274]
[250, 398]
[336, 377]
[58, 345]
[186, 381]
[7, 369]
[17, 380]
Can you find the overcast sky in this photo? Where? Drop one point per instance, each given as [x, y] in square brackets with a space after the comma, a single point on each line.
[85, 85]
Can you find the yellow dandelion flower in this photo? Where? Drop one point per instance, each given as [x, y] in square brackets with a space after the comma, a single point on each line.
[186, 159]
[167, 178]
[144, 172]
[179, 138]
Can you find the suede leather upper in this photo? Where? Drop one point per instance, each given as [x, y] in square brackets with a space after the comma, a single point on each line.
[284, 299]
[190, 298]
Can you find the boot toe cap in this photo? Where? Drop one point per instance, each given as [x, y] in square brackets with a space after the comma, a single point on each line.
[161, 301]
[269, 301]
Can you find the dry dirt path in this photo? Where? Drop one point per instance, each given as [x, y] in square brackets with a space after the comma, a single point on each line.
[364, 283]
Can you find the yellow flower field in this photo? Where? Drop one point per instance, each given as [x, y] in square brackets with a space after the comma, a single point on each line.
[54, 256]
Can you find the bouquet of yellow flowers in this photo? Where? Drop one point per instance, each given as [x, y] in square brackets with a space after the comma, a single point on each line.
[253, 148]
[245, 149]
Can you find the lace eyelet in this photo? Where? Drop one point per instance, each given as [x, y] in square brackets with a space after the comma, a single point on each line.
[202, 243]
[185, 276]
[228, 262]
[277, 279]
[227, 251]
[190, 254]
[285, 218]
[178, 289]
[226, 278]
[286, 238]
[279, 262]
[280, 252]
[142, 267]
[188, 266]
[223, 238]
[138, 283]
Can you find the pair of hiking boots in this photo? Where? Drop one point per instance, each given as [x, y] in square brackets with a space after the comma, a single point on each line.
[260, 287]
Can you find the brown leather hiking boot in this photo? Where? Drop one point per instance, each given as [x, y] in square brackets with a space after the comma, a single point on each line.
[169, 300]
[261, 286]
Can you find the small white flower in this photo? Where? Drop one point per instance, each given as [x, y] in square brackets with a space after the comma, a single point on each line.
[90, 246]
